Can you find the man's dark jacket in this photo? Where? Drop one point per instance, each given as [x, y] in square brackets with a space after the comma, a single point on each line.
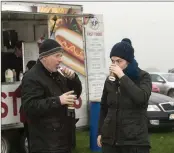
[50, 127]
[123, 115]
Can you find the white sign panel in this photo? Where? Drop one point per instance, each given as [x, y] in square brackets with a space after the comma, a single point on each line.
[10, 104]
[94, 32]
[30, 52]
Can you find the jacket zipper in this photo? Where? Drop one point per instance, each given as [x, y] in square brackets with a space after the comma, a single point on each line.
[117, 107]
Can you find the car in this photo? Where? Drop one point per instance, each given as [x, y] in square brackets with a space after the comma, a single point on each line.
[155, 88]
[160, 111]
[164, 81]
[171, 70]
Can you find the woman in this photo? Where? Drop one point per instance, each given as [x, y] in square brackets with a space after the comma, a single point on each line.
[123, 125]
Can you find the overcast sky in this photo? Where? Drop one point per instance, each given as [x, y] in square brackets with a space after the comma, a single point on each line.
[150, 26]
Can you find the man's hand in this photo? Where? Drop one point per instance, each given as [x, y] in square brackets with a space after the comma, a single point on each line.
[68, 98]
[116, 70]
[68, 73]
[99, 143]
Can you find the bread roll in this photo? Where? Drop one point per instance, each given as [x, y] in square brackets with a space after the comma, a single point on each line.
[73, 64]
[71, 42]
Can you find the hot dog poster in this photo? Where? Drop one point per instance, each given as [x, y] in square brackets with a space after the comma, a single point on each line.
[68, 33]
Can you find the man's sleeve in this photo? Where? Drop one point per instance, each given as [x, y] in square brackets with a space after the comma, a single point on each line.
[76, 85]
[33, 102]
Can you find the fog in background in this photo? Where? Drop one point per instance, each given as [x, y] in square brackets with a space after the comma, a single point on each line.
[150, 26]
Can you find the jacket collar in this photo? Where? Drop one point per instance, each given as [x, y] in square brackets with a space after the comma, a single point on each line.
[51, 74]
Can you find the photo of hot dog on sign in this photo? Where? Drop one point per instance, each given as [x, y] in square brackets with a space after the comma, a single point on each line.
[68, 33]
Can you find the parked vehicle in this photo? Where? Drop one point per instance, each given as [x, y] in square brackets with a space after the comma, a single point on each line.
[171, 70]
[160, 111]
[155, 88]
[165, 82]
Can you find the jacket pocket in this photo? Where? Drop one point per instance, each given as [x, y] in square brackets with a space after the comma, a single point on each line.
[131, 129]
[53, 127]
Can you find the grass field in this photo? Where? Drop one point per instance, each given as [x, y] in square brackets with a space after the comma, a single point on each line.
[161, 142]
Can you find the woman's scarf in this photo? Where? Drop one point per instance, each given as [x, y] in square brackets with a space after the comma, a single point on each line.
[132, 70]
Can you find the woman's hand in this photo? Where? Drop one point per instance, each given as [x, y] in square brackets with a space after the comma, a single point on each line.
[116, 70]
[99, 143]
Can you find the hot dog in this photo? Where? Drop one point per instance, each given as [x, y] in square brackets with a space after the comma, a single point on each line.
[73, 64]
[71, 42]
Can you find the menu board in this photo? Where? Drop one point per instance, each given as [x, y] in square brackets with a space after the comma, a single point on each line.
[94, 32]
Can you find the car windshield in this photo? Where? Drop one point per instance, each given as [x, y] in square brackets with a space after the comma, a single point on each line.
[169, 77]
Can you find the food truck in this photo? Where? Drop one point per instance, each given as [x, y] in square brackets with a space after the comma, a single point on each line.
[81, 37]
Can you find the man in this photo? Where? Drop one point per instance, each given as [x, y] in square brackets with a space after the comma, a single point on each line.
[29, 65]
[123, 124]
[45, 96]
[12, 61]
